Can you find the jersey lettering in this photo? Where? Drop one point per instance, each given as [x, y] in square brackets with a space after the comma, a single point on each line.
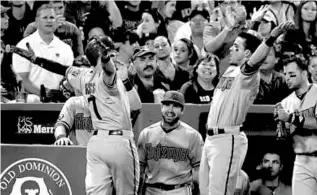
[90, 88]
[164, 152]
[82, 122]
[205, 98]
[225, 83]
[310, 112]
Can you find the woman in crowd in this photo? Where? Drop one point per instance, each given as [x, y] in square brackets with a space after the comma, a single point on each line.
[200, 89]
[167, 9]
[305, 33]
[184, 54]
[152, 25]
[171, 76]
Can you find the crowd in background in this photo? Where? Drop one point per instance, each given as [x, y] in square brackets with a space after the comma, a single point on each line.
[187, 44]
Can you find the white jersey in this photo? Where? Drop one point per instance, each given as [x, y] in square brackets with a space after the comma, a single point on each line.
[169, 156]
[233, 97]
[82, 79]
[75, 117]
[109, 107]
[304, 140]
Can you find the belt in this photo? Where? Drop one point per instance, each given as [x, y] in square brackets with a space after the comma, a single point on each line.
[109, 132]
[212, 131]
[166, 187]
[308, 154]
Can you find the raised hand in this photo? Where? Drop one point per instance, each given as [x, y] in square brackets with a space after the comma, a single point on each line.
[229, 18]
[282, 28]
[257, 15]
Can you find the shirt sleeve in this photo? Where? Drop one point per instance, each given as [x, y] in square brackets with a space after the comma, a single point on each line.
[74, 76]
[249, 76]
[196, 149]
[142, 149]
[20, 64]
[66, 116]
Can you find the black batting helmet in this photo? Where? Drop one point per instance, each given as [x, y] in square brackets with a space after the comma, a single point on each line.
[96, 46]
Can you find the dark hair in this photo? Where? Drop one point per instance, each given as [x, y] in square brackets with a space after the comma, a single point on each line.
[191, 50]
[251, 42]
[299, 59]
[299, 20]
[43, 7]
[158, 18]
[217, 62]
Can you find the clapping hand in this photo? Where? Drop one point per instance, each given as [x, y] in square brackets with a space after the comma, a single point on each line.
[282, 28]
[257, 15]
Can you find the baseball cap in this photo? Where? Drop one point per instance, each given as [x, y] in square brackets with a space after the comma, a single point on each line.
[4, 9]
[174, 97]
[142, 51]
[200, 11]
[269, 17]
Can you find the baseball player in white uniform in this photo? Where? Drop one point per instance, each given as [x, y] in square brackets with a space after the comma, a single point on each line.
[299, 112]
[225, 148]
[74, 125]
[112, 158]
[169, 151]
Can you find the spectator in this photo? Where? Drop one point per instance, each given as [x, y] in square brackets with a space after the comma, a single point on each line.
[8, 78]
[283, 11]
[131, 11]
[126, 42]
[152, 24]
[273, 87]
[167, 9]
[269, 181]
[170, 75]
[110, 13]
[76, 12]
[144, 63]
[20, 16]
[46, 45]
[305, 33]
[200, 89]
[312, 68]
[66, 31]
[263, 22]
[184, 54]
[185, 31]
[220, 34]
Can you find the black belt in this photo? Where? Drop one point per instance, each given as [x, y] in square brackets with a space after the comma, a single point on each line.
[111, 132]
[308, 154]
[211, 132]
[166, 187]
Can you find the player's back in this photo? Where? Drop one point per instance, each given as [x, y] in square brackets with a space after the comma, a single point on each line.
[232, 98]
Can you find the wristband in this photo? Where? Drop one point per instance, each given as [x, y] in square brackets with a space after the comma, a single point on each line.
[270, 41]
[60, 136]
[127, 84]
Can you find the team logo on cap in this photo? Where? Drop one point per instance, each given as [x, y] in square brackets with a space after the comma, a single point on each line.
[34, 176]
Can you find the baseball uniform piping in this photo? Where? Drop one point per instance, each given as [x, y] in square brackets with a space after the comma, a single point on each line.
[230, 163]
[134, 180]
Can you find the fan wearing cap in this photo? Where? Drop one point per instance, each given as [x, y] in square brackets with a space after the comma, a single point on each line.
[169, 151]
[142, 69]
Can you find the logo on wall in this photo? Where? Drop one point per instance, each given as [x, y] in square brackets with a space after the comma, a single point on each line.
[26, 126]
[34, 176]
